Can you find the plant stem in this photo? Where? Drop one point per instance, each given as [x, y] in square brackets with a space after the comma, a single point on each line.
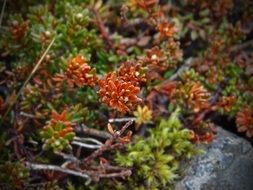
[87, 139]
[124, 173]
[33, 166]
[95, 132]
[2, 13]
[119, 120]
[102, 29]
[91, 146]
[108, 144]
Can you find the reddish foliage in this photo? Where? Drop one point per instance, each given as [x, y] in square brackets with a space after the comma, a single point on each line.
[2, 105]
[166, 29]
[244, 121]
[118, 94]
[198, 97]
[131, 72]
[226, 102]
[145, 4]
[154, 56]
[80, 72]
[18, 29]
[62, 118]
[168, 88]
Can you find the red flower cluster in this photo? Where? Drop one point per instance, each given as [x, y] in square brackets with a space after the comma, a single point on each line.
[166, 29]
[206, 138]
[198, 97]
[131, 72]
[204, 133]
[80, 72]
[195, 95]
[226, 102]
[117, 93]
[155, 56]
[244, 121]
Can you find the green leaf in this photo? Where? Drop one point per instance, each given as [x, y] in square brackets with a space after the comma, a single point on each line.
[47, 133]
[70, 136]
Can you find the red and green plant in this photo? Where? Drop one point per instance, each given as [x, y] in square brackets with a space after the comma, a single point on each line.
[70, 68]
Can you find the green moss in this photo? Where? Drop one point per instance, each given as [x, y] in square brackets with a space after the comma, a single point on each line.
[155, 159]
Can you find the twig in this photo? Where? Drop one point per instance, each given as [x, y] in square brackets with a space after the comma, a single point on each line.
[119, 120]
[28, 115]
[122, 130]
[82, 171]
[119, 174]
[27, 80]
[102, 29]
[86, 161]
[68, 156]
[33, 166]
[91, 146]
[88, 140]
[109, 167]
[241, 46]
[108, 144]
[2, 13]
[95, 132]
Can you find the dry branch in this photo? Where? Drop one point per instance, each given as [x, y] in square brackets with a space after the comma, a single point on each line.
[95, 132]
[33, 166]
[108, 145]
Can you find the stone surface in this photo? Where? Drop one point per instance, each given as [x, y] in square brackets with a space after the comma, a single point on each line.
[226, 165]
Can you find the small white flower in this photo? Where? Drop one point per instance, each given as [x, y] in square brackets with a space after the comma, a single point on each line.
[47, 33]
[79, 15]
[154, 57]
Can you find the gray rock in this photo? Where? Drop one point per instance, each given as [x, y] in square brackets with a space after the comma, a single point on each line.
[226, 165]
